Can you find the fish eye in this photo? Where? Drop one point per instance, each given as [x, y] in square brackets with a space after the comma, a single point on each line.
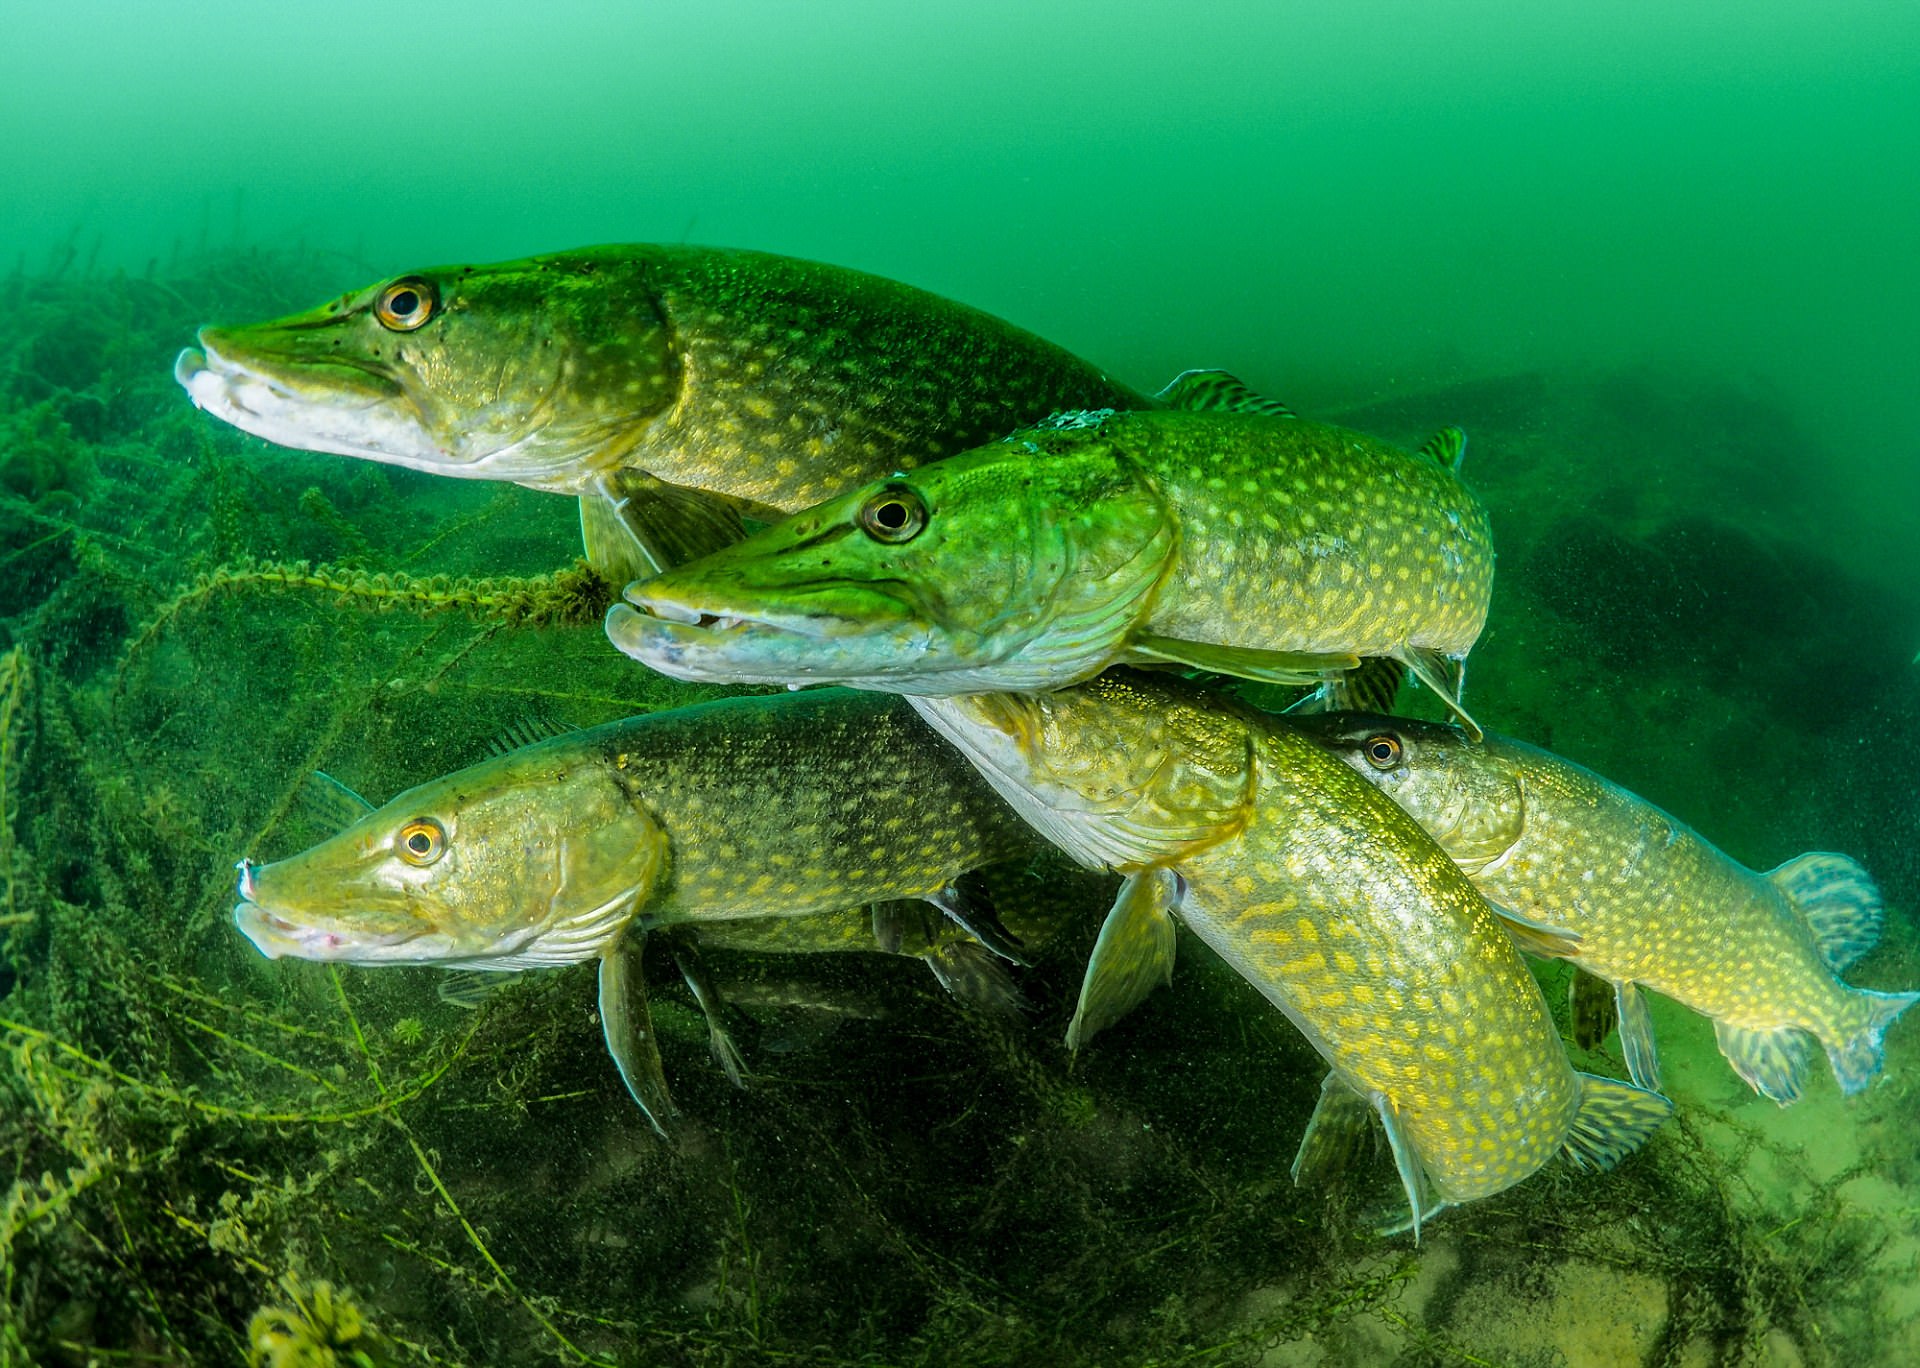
[1382, 750]
[422, 841]
[894, 515]
[406, 304]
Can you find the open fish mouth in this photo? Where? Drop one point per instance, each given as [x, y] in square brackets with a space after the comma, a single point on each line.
[641, 614]
[708, 646]
[277, 937]
[832, 632]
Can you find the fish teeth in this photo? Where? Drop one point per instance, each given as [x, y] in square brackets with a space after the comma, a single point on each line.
[672, 612]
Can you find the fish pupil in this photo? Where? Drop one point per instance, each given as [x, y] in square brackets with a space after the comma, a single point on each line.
[405, 302]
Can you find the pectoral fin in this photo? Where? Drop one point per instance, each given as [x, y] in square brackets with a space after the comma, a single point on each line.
[628, 1026]
[330, 803]
[637, 525]
[1539, 939]
[1242, 662]
[1133, 956]
[469, 989]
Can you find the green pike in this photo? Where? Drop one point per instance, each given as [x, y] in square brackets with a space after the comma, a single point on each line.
[1325, 896]
[1653, 903]
[1220, 539]
[574, 847]
[674, 388]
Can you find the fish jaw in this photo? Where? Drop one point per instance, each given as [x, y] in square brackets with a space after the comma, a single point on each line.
[890, 649]
[538, 856]
[316, 906]
[337, 408]
[1017, 574]
[349, 938]
[544, 373]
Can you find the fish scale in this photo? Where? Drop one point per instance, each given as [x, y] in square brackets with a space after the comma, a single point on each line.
[1233, 541]
[804, 380]
[673, 388]
[1651, 902]
[723, 815]
[1326, 897]
[1341, 537]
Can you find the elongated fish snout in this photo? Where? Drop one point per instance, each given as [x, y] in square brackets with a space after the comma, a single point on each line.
[271, 936]
[188, 367]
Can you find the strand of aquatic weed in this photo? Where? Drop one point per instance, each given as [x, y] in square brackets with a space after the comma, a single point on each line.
[572, 597]
[13, 692]
[433, 1177]
[33, 1037]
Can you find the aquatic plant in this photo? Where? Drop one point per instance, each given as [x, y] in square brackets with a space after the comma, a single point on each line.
[319, 1327]
[215, 1159]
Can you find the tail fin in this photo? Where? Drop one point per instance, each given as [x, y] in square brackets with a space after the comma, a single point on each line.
[1838, 899]
[1856, 1060]
[1613, 1121]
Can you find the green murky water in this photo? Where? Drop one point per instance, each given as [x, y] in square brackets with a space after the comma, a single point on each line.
[1655, 259]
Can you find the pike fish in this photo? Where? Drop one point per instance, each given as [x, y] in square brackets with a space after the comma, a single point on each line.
[1653, 903]
[1206, 535]
[1326, 897]
[574, 847]
[675, 389]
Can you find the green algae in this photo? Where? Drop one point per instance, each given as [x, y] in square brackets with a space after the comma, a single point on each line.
[219, 1159]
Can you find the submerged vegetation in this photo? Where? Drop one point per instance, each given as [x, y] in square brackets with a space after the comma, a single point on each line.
[219, 1159]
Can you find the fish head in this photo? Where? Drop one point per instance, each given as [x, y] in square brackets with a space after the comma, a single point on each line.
[1469, 795]
[1123, 771]
[540, 856]
[1001, 568]
[542, 372]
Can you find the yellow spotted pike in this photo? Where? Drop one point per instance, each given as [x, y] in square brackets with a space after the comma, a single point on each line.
[674, 388]
[1226, 540]
[1325, 896]
[570, 848]
[1651, 902]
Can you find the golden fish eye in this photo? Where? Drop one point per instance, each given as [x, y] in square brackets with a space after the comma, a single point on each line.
[894, 515]
[406, 304]
[422, 841]
[1382, 750]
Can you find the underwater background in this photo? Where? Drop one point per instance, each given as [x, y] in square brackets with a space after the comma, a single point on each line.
[1657, 259]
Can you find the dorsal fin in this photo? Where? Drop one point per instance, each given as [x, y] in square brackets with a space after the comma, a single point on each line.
[329, 802]
[526, 731]
[1839, 900]
[1216, 391]
[1448, 446]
